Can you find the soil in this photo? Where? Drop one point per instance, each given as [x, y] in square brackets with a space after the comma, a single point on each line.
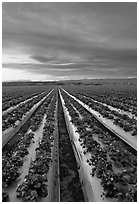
[70, 186]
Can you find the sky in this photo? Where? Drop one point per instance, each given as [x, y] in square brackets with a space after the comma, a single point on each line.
[68, 40]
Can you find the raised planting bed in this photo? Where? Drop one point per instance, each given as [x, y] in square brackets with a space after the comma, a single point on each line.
[110, 161]
[14, 106]
[128, 121]
[7, 135]
[25, 150]
[39, 183]
[12, 119]
[125, 136]
[13, 95]
[119, 94]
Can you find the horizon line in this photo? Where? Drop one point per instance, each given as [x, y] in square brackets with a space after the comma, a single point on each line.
[69, 79]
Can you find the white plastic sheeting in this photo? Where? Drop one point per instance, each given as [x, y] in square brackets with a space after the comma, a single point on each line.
[14, 107]
[91, 186]
[125, 136]
[113, 108]
[6, 136]
[53, 173]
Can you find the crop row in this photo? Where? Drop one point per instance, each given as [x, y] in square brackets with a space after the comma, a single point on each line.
[34, 186]
[120, 98]
[110, 159]
[122, 120]
[15, 101]
[9, 119]
[40, 177]
[13, 95]
[14, 159]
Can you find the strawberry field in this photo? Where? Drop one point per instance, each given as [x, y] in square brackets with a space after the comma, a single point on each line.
[70, 143]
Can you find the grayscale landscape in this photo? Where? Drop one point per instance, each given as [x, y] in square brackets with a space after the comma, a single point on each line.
[69, 102]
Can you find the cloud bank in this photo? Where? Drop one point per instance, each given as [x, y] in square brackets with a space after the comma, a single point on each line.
[70, 39]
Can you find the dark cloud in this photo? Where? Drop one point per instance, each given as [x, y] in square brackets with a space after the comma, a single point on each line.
[42, 58]
[86, 39]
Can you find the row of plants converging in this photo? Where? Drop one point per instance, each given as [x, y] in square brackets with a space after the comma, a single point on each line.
[14, 95]
[116, 96]
[122, 120]
[13, 158]
[35, 184]
[111, 107]
[12, 161]
[9, 119]
[111, 161]
[15, 101]
[129, 105]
